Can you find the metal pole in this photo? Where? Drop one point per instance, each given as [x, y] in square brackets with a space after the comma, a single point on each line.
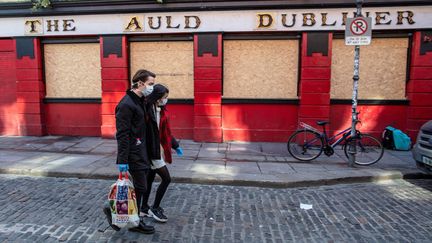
[356, 77]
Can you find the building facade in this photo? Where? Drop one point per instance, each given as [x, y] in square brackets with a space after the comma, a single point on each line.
[237, 70]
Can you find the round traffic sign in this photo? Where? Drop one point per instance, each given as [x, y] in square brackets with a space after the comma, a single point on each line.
[359, 26]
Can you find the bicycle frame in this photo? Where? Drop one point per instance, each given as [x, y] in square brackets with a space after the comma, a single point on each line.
[346, 133]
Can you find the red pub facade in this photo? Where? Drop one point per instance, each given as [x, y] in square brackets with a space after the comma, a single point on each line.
[237, 70]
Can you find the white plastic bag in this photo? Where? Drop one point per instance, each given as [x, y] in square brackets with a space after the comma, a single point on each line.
[122, 201]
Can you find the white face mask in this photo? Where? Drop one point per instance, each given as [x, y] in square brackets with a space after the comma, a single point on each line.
[163, 102]
[147, 90]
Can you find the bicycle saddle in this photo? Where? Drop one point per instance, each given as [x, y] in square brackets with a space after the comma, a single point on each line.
[322, 123]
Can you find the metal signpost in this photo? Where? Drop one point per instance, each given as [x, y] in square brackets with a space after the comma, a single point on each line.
[358, 32]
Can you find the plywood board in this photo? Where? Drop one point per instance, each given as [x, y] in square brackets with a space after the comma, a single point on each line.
[72, 70]
[383, 67]
[172, 62]
[261, 69]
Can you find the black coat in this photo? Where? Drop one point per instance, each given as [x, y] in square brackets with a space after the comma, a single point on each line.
[131, 132]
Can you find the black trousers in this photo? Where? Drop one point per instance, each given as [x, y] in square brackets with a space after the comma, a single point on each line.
[139, 180]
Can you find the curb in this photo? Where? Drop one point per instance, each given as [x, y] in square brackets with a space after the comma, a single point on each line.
[231, 182]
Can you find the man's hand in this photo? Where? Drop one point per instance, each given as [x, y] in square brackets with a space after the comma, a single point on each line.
[123, 167]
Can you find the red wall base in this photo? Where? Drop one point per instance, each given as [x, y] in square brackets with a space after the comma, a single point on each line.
[73, 119]
[374, 118]
[258, 122]
[181, 120]
[8, 107]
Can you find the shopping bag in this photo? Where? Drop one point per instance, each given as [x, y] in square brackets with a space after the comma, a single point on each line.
[122, 202]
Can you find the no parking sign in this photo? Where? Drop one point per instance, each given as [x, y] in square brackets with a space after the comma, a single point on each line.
[358, 31]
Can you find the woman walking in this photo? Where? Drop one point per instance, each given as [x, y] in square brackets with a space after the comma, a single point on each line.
[163, 142]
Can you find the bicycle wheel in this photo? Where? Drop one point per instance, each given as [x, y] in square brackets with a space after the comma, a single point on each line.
[305, 145]
[369, 149]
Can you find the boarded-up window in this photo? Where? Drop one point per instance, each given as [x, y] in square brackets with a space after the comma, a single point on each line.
[172, 62]
[383, 67]
[72, 70]
[260, 69]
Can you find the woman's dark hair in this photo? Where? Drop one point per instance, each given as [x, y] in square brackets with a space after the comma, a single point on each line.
[158, 92]
[141, 75]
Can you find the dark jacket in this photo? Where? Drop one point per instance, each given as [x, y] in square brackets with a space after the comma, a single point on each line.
[131, 132]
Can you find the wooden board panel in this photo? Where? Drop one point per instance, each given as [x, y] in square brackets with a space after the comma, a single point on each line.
[383, 67]
[72, 70]
[172, 62]
[261, 68]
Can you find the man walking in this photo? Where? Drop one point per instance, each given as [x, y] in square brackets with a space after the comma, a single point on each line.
[132, 147]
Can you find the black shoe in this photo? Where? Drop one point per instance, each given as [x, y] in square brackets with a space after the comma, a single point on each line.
[107, 212]
[157, 213]
[143, 228]
[145, 212]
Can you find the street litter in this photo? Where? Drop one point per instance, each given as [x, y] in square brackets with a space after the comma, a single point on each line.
[305, 206]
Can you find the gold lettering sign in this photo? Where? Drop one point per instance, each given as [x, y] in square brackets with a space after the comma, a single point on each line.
[284, 20]
[324, 20]
[409, 17]
[265, 20]
[67, 25]
[188, 22]
[52, 23]
[229, 21]
[40, 26]
[133, 25]
[161, 22]
[309, 19]
[35, 26]
[382, 16]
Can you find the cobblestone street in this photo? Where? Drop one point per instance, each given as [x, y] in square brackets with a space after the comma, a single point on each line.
[40, 209]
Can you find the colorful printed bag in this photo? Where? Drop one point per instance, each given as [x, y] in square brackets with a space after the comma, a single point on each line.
[122, 201]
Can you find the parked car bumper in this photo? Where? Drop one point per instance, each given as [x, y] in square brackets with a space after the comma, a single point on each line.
[422, 150]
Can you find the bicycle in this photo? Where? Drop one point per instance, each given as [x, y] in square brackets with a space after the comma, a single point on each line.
[308, 143]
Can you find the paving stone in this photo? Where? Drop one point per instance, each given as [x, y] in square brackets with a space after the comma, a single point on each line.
[251, 158]
[11, 156]
[245, 147]
[275, 168]
[105, 149]
[57, 146]
[32, 146]
[307, 167]
[242, 168]
[275, 148]
[181, 165]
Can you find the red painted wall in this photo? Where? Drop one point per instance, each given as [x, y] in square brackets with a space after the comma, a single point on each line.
[73, 119]
[181, 120]
[115, 81]
[207, 92]
[23, 113]
[8, 107]
[314, 83]
[419, 87]
[258, 122]
[30, 92]
[374, 118]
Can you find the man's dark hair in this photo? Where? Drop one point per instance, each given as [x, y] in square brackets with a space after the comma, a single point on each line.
[141, 75]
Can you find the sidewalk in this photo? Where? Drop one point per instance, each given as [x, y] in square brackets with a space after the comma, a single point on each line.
[235, 163]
